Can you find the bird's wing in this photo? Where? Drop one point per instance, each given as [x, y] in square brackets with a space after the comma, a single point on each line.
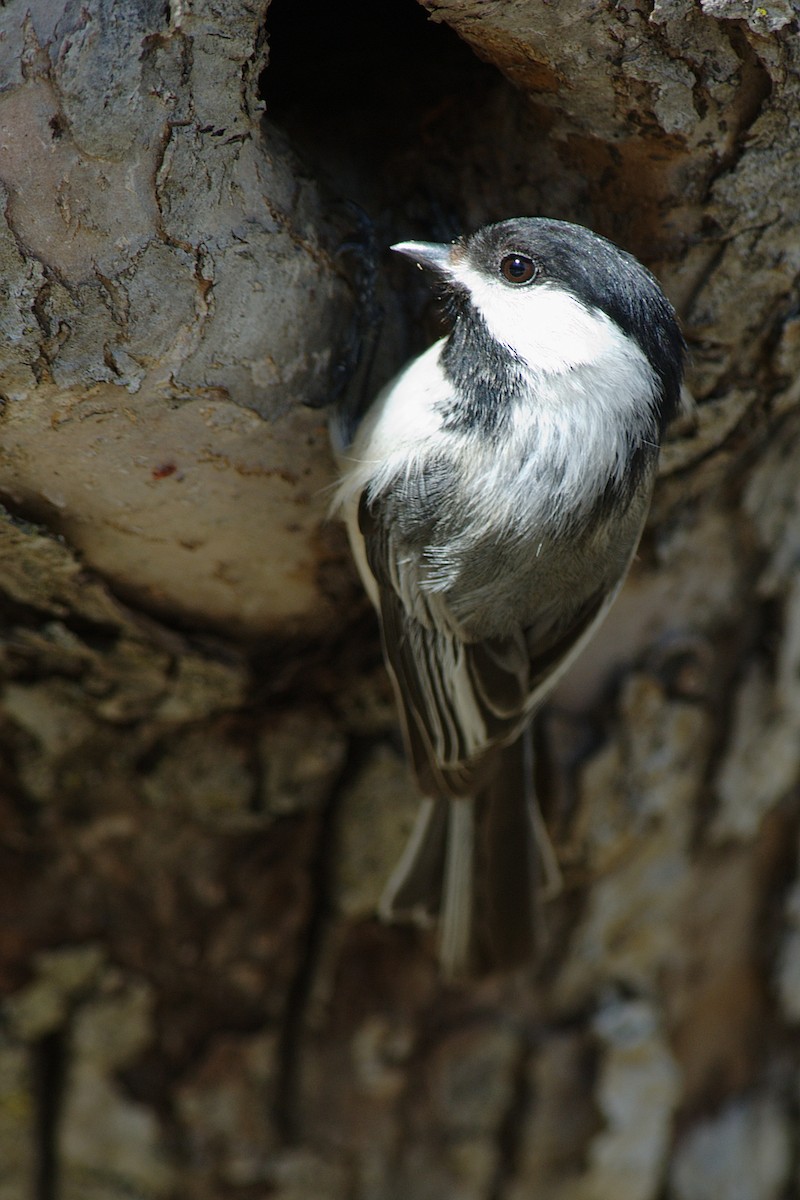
[458, 700]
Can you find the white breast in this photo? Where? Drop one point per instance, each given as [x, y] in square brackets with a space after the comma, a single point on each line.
[589, 391]
[400, 426]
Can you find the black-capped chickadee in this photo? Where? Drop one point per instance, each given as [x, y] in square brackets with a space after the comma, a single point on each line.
[494, 494]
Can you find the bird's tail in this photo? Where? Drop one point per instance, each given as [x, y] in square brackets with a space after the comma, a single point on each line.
[481, 864]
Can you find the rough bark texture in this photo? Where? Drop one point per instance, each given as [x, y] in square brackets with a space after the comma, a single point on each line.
[200, 787]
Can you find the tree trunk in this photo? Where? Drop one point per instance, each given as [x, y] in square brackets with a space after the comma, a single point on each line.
[200, 783]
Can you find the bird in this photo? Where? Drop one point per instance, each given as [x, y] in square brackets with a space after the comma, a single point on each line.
[494, 494]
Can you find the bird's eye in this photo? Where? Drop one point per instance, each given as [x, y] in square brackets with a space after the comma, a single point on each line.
[518, 268]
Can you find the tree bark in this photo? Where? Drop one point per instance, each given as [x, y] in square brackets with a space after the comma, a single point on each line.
[200, 783]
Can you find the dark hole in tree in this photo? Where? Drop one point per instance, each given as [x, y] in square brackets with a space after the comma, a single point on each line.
[377, 98]
[394, 112]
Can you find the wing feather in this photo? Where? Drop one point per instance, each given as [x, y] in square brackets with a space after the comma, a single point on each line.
[459, 701]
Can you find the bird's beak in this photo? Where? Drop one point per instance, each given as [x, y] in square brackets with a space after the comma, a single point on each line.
[433, 255]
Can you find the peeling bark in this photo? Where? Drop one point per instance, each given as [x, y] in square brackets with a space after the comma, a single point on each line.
[200, 786]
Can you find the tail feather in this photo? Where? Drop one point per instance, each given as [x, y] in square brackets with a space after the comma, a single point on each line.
[456, 930]
[482, 865]
[509, 856]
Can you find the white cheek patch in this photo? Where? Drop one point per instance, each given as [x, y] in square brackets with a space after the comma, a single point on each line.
[546, 327]
[592, 390]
